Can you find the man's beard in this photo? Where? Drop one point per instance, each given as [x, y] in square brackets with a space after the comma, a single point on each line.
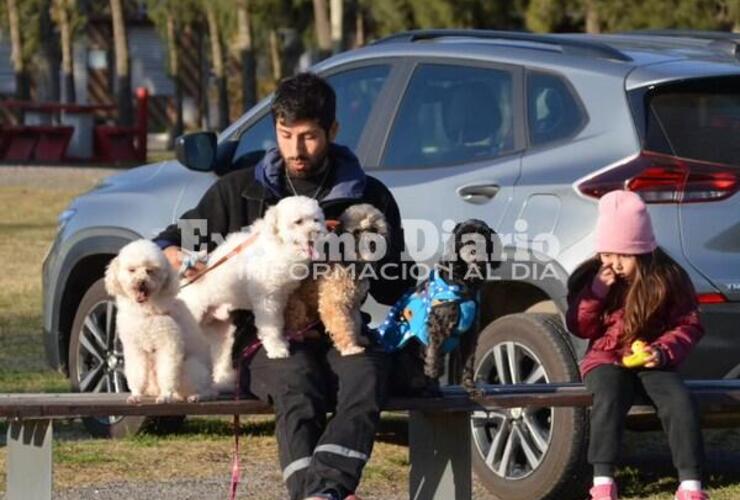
[315, 166]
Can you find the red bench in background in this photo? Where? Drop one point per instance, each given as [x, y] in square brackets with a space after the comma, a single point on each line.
[41, 143]
[49, 143]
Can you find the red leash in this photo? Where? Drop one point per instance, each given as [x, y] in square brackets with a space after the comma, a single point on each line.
[247, 354]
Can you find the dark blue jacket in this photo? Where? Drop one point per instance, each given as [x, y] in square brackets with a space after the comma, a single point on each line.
[239, 198]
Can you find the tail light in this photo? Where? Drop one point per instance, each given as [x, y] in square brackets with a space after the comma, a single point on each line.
[661, 178]
[711, 298]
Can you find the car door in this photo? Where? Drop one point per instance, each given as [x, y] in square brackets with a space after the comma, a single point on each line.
[452, 150]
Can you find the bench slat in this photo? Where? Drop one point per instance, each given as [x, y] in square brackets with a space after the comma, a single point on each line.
[713, 395]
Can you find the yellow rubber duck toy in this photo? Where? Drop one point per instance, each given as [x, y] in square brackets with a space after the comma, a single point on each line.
[639, 355]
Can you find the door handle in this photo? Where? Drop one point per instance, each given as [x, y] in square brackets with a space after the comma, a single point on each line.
[478, 193]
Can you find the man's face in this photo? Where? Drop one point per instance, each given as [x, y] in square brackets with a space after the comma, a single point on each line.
[303, 145]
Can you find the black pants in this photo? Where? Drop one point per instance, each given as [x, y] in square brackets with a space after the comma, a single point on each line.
[316, 455]
[614, 389]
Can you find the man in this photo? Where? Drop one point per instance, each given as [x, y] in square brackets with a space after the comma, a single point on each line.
[319, 459]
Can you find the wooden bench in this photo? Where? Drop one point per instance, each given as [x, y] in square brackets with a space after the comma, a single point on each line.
[439, 449]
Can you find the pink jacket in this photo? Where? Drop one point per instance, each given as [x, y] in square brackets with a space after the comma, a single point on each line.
[586, 319]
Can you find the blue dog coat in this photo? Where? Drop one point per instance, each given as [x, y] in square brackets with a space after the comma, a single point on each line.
[408, 318]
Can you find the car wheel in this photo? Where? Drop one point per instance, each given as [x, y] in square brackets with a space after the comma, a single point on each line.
[96, 364]
[525, 453]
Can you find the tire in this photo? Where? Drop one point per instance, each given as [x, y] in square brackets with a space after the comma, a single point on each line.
[546, 446]
[96, 365]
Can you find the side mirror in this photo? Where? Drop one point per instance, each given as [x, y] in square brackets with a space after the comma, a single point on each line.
[197, 151]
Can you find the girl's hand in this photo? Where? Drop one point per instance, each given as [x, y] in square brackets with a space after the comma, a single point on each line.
[656, 357]
[603, 281]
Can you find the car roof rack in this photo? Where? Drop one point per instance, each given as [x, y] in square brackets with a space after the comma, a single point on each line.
[566, 45]
[723, 41]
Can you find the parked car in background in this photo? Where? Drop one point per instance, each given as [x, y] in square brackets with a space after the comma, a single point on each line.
[523, 131]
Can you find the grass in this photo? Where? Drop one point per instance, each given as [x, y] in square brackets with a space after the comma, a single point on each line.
[31, 200]
[27, 227]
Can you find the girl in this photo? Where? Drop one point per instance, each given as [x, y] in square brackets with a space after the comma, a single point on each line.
[632, 290]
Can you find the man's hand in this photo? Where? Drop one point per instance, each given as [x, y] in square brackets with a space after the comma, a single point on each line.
[175, 256]
[603, 281]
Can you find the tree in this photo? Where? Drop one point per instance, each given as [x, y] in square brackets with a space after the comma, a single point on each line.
[20, 63]
[593, 19]
[123, 75]
[217, 62]
[69, 20]
[323, 30]
[337, 25]
[172, 17]
[245, 46]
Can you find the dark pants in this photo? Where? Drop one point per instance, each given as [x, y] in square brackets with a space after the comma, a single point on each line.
[614, 389]
[316, 455]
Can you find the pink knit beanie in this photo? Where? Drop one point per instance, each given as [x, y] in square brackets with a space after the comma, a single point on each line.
[624, 225]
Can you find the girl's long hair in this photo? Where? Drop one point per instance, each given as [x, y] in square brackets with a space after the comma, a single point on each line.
[660, 286]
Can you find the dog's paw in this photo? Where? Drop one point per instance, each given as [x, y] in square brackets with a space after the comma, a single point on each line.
[431, 388]
[276, 349]
[168, 398]
[133, 399]
[349, 351]
[221, 312]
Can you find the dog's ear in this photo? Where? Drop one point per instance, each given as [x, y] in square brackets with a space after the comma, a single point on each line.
[171, 284]
[112, 285]
[271, 220]
[381, 224]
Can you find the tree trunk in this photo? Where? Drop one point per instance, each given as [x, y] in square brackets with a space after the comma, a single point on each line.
[337, 26]
[359, 27]
[217, 58]
[65, 31]
[123, 75]
[47, 61]
[275, 56]
[593, 24]
[323, 30]
[174, 60]
[22, 83]
[246, 55]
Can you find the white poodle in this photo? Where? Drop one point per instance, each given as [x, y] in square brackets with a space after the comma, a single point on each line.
[164, 352]
[274, 259]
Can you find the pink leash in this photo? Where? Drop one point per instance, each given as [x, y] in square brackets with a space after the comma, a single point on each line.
[247, 354]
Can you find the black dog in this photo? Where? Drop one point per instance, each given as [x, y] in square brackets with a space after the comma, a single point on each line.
[441, 314]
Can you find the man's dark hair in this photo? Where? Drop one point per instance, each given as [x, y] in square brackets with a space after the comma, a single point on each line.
[305, 96]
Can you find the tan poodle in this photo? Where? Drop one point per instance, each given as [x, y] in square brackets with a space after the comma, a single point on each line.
[336, 292]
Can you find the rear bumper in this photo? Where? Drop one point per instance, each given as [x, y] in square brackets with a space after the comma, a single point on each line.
[717, 355]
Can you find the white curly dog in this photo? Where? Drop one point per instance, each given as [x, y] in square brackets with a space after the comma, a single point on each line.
[164, 353]
[260, 277]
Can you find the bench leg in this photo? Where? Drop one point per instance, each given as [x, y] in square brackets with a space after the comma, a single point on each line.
[439, 450]
[28, 461]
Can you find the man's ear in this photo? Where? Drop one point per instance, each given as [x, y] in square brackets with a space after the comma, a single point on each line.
[333, 131]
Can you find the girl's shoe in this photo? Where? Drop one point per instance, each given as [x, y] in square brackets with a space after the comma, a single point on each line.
[604, 492]
[682, 494]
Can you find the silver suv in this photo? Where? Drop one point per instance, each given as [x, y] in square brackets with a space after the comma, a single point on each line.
[524, 131]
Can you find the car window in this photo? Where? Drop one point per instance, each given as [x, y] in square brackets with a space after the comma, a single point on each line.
[253, 143]
[452, 114]
[356, 89]
[553, 112]
[696, 119]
